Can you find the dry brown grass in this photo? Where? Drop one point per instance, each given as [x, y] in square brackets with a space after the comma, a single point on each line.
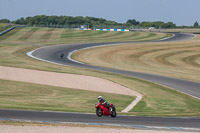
[50, 36]
[188, 30]
[174, 59]
[157, 100]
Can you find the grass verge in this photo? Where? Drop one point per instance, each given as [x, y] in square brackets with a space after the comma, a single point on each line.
[50, 36]
[157, 100]
[27, 96]
[172, 59]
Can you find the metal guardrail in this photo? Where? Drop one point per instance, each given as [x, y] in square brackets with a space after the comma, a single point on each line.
[196, 32]
[112, 29]
[11, 28]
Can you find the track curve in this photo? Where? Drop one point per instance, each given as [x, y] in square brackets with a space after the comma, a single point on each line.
[52, 54]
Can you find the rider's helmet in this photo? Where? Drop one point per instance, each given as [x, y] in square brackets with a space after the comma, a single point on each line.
[100, 97]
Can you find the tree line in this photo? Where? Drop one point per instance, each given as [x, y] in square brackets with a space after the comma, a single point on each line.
[91, 22]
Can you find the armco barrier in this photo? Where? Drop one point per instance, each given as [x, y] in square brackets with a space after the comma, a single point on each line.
[85, 29]
[112, 29]
[11, 28]
[196, 32]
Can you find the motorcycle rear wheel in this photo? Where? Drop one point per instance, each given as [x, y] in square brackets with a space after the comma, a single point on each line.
[114, 113]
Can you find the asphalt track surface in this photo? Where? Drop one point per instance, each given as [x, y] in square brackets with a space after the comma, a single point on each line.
[91, 119]
[52, 54]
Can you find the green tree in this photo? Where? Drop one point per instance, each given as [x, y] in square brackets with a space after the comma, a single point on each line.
[158, 24]
[132, 22]
[196, 24]
[20, 21]
[4, 21]
[168, 25]
[92, 22]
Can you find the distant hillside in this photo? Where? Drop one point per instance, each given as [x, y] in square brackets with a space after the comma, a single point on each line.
[49, 36]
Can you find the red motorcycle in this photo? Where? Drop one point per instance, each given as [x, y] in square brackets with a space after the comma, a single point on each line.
[101, 109]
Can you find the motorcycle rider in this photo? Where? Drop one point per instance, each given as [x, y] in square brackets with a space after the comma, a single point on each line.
[103, 102]
[62, 55]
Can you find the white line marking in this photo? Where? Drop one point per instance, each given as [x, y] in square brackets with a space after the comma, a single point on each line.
[107, 124]
[167, 37]
[132, 105]
[69, 57]
[127, 109]
[138, 97]
[70, 54]
[30, 55]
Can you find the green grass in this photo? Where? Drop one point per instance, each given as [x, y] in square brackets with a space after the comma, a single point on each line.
[172, 59]
[59, 36]
[28, 34]
[157, 100]
[10, 34]
[19, 95]
[4, 26]
[46, 37]
[161, 101]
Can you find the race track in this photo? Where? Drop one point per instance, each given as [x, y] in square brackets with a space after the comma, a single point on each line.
[52, 54]
[190, 124]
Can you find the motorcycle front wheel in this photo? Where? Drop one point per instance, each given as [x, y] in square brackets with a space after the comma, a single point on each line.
[99, 112]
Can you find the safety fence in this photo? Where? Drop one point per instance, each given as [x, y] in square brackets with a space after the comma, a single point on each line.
[112, 29]
[11, 28]
[85, 29]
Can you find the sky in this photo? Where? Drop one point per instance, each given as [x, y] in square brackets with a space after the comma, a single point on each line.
[181, 12]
